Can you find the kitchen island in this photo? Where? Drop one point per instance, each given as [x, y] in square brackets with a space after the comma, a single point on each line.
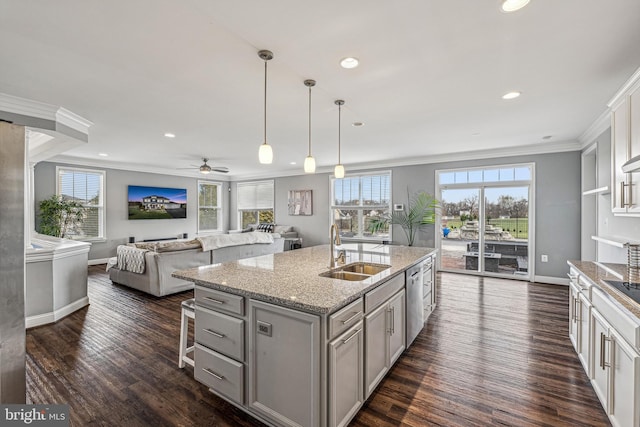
[292, 347]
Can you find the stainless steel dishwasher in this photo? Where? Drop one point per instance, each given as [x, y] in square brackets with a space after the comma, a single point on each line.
[415, 304]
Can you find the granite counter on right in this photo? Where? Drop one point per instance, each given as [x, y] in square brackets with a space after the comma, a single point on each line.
[604, 328]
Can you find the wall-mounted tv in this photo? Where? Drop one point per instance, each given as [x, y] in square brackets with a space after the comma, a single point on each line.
[157, 202]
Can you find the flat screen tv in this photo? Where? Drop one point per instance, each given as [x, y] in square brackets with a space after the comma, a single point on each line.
[157, 202]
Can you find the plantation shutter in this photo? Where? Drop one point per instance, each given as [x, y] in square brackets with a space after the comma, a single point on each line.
[86, 188]
[208, 206]
[255, 195]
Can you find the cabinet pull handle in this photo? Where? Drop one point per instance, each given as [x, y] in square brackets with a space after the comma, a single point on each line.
[344, 322]
[623, 202]
[217, 301]
[414, 273]
[393, 320]
[214, 333]
[601, 350]
[356, 332]
[603, 342]
[579, 310]
[387, 313]
[213, 374]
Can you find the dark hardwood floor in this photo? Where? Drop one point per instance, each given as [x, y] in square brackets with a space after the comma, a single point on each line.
[495, 352]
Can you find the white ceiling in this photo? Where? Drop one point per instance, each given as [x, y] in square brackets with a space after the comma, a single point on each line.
[430, 82]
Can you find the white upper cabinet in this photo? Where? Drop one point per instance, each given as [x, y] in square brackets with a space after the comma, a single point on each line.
[625, 145]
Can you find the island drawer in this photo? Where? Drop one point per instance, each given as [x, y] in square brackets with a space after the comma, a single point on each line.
[218, 372]
[345, 318]
[219, 301]
[220, 332]
[374, 298]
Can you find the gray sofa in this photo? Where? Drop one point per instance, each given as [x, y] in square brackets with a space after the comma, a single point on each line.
[163, 258]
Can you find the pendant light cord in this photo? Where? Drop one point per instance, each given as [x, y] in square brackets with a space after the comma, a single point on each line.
[309, 121]
[265, 101]
[339, 128]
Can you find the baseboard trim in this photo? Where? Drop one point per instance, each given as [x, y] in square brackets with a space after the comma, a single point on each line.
[51, 317]
[551, 280]
[98, 261]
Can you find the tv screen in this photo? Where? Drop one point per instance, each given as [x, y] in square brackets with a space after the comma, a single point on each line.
[157, 202]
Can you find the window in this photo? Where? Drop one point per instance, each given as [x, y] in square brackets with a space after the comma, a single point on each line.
[209, 206]
[361, 206]
[87, 188]
[255, 203]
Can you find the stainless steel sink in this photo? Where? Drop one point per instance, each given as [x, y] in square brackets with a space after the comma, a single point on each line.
[364, 268]
[345, 275]
[356, 271]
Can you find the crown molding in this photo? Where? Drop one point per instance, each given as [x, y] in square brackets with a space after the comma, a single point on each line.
[524, 150]
[602, 123]
[635, 78]
[72, 120]
[131, 167]
[40, 110]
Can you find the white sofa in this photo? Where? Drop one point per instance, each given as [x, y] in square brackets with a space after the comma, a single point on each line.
[163, 258]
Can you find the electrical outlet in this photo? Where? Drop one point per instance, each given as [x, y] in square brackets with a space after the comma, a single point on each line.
[544, 258]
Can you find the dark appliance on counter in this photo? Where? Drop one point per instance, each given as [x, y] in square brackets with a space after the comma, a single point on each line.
[630, 289]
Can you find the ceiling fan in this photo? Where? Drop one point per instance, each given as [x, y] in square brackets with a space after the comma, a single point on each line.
[207, 169]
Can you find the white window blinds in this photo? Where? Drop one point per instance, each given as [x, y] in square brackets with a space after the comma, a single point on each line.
[255, 195]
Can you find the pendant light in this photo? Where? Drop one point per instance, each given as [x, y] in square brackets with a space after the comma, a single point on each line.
[339, 170]
[265, 155]
[309, 161]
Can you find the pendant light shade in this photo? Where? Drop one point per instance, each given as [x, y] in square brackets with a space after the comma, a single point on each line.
[265, 154]
[309, 161]
[309, 164]
[339, 169]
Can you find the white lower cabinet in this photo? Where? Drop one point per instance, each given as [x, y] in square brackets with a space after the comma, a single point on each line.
[584, 331]
[573, 314]
[615, 373]
[384, 339]
[346, 375]
[284, 365]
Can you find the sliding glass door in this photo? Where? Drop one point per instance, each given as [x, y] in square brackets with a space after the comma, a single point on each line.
[485, 220]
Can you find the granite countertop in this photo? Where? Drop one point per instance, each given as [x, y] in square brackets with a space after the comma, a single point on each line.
[598, 272]
[292, 278]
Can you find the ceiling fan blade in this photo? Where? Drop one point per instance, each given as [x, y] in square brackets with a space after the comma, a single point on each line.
[220, 169]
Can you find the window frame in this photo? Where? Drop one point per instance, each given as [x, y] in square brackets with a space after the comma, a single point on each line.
[257, 209]
[219, 207]
[360, 237]
[102, 206]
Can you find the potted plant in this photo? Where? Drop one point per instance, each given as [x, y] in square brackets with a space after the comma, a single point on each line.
[58, 216]
[420, 211]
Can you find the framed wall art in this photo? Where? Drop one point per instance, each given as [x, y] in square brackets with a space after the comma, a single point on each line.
[300, 202]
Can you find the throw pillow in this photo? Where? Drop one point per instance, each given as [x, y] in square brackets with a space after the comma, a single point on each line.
[265, 227]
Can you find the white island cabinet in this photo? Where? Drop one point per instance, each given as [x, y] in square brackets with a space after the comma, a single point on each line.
[300, 349]
[284, 364]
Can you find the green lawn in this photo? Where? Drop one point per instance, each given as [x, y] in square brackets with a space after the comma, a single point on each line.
[518, 227]
[135, 213]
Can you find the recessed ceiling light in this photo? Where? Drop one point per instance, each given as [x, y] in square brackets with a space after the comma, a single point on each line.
[103, 155]
[513, 5]
[357, 124]
[292, 163]
[170, 135]
[349, 62]
[547, 137]
[511, 95]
